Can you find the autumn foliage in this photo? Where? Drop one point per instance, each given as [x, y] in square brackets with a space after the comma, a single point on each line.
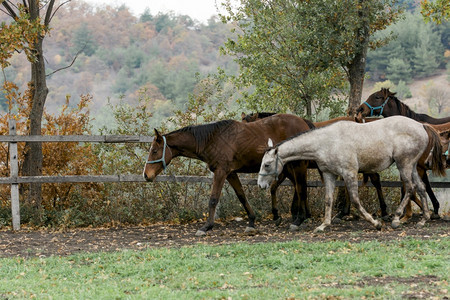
[58, 158]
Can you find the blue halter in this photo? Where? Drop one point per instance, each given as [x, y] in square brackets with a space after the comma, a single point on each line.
[163, 158]
[381, 107]
[276, 168]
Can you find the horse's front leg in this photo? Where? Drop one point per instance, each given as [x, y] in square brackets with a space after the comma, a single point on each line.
[273, 195]
[235, 183]
[330, 183]
[218, 181]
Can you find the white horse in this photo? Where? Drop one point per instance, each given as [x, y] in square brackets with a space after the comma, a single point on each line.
[346, 148]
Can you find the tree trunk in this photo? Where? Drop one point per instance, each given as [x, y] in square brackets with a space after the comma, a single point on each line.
[356, 68]
[356, 73]
[33, 156]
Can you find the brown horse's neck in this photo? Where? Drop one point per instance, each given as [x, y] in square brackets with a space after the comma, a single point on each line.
[182, 144]
[402, 109]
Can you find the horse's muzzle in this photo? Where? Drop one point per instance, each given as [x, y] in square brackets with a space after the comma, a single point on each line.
[148, 179]
[263, 184]
[359, 117]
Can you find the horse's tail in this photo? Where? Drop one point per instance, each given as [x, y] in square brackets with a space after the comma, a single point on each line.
[435, 158]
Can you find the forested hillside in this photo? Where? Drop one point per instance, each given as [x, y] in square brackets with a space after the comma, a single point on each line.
[121, 56]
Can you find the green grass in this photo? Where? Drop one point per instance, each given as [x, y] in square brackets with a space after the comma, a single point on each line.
[238, 271]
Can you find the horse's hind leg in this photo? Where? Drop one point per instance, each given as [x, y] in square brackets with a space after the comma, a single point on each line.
[420, 189]
[330, 184]
[375, 179]
[235, 183]
[351, 181]
[430, 193]
[407, 174]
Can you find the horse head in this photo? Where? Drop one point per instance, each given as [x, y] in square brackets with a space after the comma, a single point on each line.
[374, 105]
[159, 157]
[271, 167]
[249, 118]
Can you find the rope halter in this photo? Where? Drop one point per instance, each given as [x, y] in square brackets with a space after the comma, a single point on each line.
[381, 107]
[274, 173]
[163, 158]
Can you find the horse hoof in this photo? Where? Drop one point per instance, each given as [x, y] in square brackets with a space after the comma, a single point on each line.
[395, 224]
[250, 230]
[293, 227]
[435, 216]
[378, 225]
[200, 233]
[404, 220]
[319, 229]
[421, 223]
[336, 220]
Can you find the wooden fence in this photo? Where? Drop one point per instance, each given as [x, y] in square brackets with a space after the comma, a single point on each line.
[14, 180]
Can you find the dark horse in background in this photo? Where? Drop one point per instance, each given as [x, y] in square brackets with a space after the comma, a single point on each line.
[344, 208]
[385, 103]
[229, 147]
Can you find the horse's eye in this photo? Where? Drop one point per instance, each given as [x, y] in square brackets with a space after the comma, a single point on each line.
[266, 166]
[155, 151]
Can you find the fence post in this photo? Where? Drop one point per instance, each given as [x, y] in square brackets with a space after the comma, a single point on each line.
[14, 173]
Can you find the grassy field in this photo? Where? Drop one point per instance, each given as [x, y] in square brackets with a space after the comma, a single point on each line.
[408, 268]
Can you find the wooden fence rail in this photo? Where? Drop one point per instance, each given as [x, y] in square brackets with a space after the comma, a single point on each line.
[14, 180]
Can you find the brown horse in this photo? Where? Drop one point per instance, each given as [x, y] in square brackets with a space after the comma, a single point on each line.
[443, 130]
[229, 147]
[385, 103]
[344, 207]
[444, 134]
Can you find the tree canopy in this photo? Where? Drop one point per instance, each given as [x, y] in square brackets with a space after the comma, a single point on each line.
[298, 53]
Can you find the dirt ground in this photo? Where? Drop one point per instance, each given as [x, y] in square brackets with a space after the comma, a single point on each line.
[32, 243]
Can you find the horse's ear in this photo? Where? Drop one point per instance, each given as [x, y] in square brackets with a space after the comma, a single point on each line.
[158, 136]
[270, 143]
[243, 115]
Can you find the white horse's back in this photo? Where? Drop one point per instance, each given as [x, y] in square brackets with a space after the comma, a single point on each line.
[371, 147]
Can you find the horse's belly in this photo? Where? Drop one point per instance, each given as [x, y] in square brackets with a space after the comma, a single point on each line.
[374, 165]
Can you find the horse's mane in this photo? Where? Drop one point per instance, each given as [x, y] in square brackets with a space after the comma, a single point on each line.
[263, 115]
[404, 109]
[203, 133]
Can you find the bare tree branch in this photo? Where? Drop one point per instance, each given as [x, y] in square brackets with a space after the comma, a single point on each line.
[66, 67]
[11, 11]
[49, 13]
[56, 9]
